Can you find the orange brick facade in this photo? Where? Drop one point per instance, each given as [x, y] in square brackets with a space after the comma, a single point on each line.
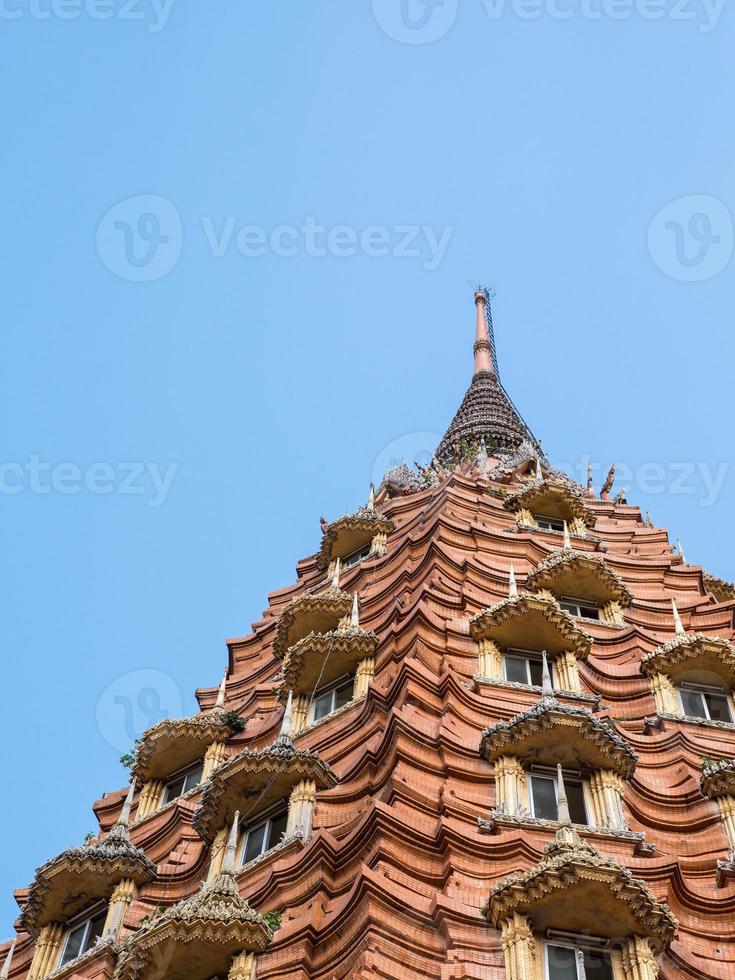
[400, 826]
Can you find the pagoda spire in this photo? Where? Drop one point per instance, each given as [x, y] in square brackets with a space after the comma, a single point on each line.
[482, 348]
[487, 416]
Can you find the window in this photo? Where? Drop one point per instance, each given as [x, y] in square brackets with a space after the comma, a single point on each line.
[549, 523]
[577, 963]
[261, 837]
[83, 934]
[578, 607]
[182, 782]
[524, 667]
[332, 698]
[355, 557]
[700, 701]
[543, 792]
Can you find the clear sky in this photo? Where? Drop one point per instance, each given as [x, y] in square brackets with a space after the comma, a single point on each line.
[238, 242]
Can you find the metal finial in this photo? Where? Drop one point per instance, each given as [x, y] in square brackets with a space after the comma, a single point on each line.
[547, 688]
[678, 625]
[228, 862]
[567, 538]
[287, 720]
[5, 972]
[220, 702]
[561, 803]
[124, 819]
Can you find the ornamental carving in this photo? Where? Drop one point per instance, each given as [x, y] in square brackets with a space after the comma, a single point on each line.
[551, 733]
[582, 575]
[718, 778]
[172, 744]
[68, 883]
[353, 531]
[195, 939]
[576, 889]
[552, 498]
[317, 612]
[720, 589]
[320, 658]
[257, 777]
[532, 622]
[692, 650]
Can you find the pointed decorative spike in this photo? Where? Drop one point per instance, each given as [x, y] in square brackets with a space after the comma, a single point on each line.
[371, 498]
[649, 519]
[124, 819]
[567, 538]
[228, 862]
[539, 473]
[562, 804]
[355, 618]
[482, 348]
[590, 486]
[608, 484]
[547, 688]
[681, 552]
[678, 625]
[287, 720]
[335, 577]
[220, 702]
[512, 586]
[5, 972]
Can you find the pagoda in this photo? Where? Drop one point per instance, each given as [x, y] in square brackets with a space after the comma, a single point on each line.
[488, 733]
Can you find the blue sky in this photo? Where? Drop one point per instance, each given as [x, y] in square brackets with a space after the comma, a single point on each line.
[238, 243]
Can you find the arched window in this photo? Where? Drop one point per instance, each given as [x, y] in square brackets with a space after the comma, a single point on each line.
[583, 584]
[576, 916]
[693, 676]
[528, 752]
[515, 632]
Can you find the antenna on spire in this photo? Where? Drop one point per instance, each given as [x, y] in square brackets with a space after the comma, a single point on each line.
[489, 294]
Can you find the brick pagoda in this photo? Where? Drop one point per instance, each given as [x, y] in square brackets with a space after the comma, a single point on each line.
[488, 733]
